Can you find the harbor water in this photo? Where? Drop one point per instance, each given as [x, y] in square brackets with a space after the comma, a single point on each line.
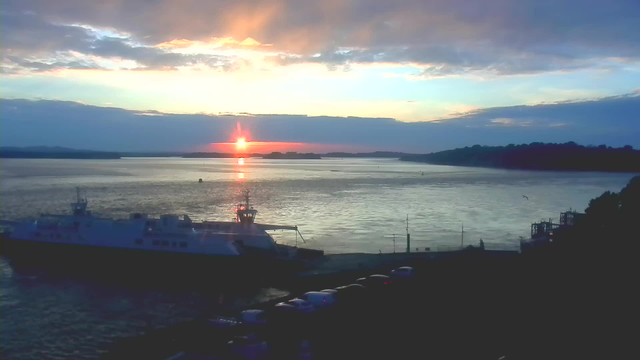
[340, 205]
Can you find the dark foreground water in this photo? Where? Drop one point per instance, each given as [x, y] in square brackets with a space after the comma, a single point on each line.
[340, 205]
[53, 313]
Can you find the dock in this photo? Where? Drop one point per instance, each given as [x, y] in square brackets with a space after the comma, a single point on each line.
[435, 295]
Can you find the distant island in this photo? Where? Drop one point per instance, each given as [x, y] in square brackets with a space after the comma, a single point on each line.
[54, 152]
[375, 154]
[58, 152]
[296, 155]
[291, 155]
[214, 155]
[538, 156]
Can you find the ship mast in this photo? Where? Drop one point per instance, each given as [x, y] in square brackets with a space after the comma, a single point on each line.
[246, 199]
[244, 213]
[79, 207]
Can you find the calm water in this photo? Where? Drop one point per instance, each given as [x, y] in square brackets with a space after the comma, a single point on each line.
[340, 205]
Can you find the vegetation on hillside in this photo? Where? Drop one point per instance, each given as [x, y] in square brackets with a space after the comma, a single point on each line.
[608, 229]
[616, 213]
[538, 156]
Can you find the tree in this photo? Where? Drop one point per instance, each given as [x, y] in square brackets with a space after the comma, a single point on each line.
[630, 200]
[604, 210]
[613, 217]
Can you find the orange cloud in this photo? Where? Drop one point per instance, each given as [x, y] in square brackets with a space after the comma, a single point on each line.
[246, 20]
[178, 43]
[213, 42]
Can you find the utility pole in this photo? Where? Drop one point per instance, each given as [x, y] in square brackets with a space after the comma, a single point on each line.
[393, 237]
[394, 243]
[462, 237]
[408, 236]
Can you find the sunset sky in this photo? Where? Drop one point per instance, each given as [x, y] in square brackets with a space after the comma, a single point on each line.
[488, 72]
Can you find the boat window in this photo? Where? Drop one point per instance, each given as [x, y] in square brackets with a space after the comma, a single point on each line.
[173, 244]
[183, 244]
[138, 241]
[38, 234]
[156, 242]
[165, 243]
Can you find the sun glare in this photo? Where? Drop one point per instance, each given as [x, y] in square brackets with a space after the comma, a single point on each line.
[241, 143]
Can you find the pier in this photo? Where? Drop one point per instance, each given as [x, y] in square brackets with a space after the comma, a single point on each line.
[442, 297]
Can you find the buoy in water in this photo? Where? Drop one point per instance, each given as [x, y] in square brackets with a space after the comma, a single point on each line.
[200, 180]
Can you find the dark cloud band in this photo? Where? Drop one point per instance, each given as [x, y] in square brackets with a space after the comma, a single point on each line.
[611, 120]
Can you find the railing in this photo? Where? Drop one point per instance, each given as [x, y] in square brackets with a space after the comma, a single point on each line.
[422, 246]
[501, 247]
[449, 248]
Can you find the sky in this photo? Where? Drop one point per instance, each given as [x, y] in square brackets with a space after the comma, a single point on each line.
[357, 75]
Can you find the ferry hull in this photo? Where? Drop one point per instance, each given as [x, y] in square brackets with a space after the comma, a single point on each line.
[134, 262]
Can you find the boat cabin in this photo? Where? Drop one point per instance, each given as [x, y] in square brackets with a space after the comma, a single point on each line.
[246, 214]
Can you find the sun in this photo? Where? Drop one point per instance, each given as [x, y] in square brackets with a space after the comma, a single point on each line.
[241, 143]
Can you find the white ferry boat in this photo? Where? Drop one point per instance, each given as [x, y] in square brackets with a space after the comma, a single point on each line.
[141, 234]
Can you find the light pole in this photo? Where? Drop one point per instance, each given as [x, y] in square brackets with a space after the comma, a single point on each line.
[393, 237]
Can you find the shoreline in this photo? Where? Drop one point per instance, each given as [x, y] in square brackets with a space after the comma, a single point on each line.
[522, 168]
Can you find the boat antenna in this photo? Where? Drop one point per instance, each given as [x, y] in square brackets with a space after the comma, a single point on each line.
[246, 198]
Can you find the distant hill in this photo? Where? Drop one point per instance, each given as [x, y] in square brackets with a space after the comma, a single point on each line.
[43, 149]
[54, 152]
[538, 156]
[152, 154]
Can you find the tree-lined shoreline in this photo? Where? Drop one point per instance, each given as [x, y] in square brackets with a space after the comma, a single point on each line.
[538, 156]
